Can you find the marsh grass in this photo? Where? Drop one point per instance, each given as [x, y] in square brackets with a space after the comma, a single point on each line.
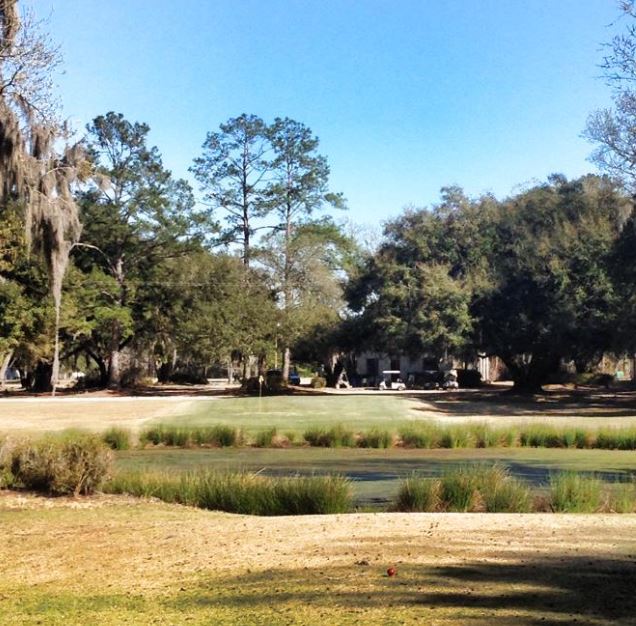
[117, 438]
[375, 438]
[218, 436]
[481, 488]
[240, 492]
[335, 437]
[265, 438]
[418, 495]
[573, 493]
[424, 435]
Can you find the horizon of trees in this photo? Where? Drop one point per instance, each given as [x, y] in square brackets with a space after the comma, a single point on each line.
[108, 263]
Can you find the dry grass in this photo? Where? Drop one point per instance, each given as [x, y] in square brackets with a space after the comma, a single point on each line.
[115, 560]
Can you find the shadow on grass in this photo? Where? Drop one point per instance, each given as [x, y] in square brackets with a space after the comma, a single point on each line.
[543, 591]
[561, 403]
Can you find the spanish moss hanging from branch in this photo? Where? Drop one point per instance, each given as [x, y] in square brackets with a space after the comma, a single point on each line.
[31, 170]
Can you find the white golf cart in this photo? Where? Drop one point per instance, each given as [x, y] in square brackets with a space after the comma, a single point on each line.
[391, 380]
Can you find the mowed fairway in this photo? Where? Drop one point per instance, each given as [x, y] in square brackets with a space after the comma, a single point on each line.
[119, 561]
[296, 413]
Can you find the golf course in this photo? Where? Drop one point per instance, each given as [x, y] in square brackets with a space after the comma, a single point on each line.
[112, 559]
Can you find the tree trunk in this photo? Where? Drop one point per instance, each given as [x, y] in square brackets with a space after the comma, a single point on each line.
[114, 360]
[530, 372]
[42, 377]
[4, 366]
[286, 363]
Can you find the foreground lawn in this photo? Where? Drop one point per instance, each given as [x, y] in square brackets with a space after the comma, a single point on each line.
[376, 473]
[116, 561]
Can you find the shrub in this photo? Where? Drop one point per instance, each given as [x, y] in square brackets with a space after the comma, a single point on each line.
[335, 437]
[468, 379]
[74, 464]
[244, 493]
[318, 382]
[117, 438]
[418, 495]
[188, 377]
[573, 493]
[375, 438]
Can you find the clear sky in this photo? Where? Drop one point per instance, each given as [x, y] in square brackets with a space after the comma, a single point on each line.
[406, 95]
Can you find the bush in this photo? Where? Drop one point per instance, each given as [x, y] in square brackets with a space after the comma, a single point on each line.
[573, 493]
[75, 464]
[187, 377]
[375, 438]
[117, 439]
[318, 382]
[468, 379]
[243, 493]
[418, 495]
[335, 437]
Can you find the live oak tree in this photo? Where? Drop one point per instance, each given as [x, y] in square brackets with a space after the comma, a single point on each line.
[135, 214]
[32, 172]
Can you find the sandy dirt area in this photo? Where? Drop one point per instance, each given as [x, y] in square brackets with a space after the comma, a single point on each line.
[115, 560]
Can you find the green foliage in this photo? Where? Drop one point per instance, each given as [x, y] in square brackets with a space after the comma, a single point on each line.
[117, 438]
[573, 493]
[375, 438]
[335, 437]
[243, 493]
[219, 436]
[265, 438]
[418, 495]
[71, 464]
[420, 436]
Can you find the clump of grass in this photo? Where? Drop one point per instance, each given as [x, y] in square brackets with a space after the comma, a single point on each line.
[117, 438]
[500, 493]
[335, 437]
[573, 493]
[418, 494]
[616, 439]
[420, 436]
[458, 489]
[265, 438]
[219, 436]
[244, 493]
[375, 438]
[74, 463]
[623, 498]
[455, 437]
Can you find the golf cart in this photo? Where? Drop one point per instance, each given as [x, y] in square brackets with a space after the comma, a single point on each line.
[391, 380]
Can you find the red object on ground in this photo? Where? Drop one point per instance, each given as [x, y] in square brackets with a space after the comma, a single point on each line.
[391, 571]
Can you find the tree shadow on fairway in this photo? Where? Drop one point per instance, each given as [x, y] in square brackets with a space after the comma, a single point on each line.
[553, 590]
[561, 403]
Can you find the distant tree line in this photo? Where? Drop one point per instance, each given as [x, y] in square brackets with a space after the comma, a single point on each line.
[108, 263]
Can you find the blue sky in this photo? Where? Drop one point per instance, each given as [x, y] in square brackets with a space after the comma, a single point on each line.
[406, 95]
